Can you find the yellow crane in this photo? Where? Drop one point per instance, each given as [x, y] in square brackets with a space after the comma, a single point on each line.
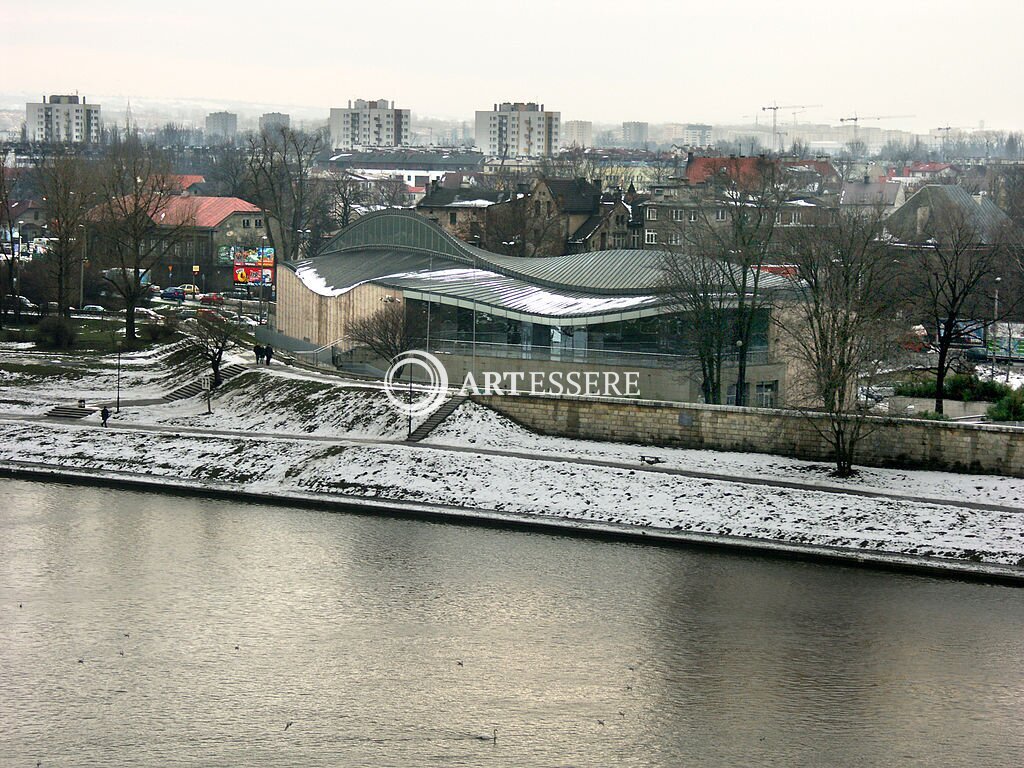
[774, 109]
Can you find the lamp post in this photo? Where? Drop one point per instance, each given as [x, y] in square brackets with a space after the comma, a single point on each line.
[81, 271]
[117, 402]
[995, 320]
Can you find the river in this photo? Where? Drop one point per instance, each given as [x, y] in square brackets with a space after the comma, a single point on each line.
[149, 630]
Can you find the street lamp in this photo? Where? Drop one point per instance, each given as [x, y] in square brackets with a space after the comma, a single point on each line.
[117, 404]
[81, 272]
[995, 320]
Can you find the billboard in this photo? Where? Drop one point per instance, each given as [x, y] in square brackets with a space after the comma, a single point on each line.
[230, 255]
[253, 275]
[1006, 340]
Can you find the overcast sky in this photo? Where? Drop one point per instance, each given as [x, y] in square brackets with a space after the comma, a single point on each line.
[943, 62]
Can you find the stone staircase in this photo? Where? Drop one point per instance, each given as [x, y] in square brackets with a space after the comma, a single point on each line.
[446, 409]
[194, 388]
[69, 412]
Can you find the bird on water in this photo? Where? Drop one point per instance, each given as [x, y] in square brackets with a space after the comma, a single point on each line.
[492, 738]
[288, 725]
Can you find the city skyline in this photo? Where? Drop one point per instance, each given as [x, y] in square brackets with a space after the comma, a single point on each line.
[916, 62]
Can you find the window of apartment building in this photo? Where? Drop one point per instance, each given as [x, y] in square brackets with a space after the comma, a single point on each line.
[766, 394]
[691, 216]
[795, 218]
[620, 220]
[652, 213]
[677, 214]
[720, 214]
[259, 223]
[246, 223]
[730, 396]
[650, 237]
[634, 240]
[619, 240]
[452, 216]
[675, 239]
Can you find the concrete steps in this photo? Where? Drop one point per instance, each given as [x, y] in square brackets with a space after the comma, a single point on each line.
[196, 387]
[446, 409]
[69, 412]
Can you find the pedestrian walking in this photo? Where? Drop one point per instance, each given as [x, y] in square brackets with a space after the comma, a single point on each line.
[259, 352]
[268, 352]
[104, 415]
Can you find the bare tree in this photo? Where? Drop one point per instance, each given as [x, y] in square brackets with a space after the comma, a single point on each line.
[132, 224]
[704, 325]
[837, 324]
[212, 337]
[280, 166]
[387, 332]
[952, 275]
[737, 213]
[68, 183]
[7, 239]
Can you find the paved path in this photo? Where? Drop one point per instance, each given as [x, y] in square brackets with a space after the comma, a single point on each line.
[635, 466]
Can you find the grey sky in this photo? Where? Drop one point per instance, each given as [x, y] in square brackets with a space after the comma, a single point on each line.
[945, 62]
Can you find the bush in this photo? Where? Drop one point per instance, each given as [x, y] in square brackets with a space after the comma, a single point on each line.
[159, 331]
[55, 332]
[958, 387]
[1009, 408]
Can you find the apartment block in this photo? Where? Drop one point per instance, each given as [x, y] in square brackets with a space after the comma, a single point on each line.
[518, 129]
[369, 124]
[577, 133]
[221, 126]
[63, 120]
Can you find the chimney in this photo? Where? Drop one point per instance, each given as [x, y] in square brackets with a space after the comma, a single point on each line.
[689, 158]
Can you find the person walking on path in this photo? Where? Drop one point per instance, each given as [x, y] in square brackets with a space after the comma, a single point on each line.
[268, 352]
[259, 352]
[104, 415]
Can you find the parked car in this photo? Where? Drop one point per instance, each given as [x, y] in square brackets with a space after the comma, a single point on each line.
[172, 294]
[190, 289]
[148, 316]
[22, 303]
[211, 298]
[93, 309]
[239, 294]
[154, 290]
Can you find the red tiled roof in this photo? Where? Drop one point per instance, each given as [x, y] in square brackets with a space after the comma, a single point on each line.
[700, 169]
[185, 180]
[201, 211]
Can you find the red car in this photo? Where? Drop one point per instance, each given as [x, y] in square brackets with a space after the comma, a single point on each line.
[211, 298]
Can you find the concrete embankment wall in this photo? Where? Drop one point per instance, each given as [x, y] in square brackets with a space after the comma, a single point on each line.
[890, 442]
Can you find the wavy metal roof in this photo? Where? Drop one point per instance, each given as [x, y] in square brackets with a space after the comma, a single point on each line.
[400, 249]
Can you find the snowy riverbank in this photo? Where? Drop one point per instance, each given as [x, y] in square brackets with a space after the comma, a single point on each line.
[532, 488]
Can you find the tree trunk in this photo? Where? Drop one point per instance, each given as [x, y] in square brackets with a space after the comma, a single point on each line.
[940, 378]
[129, 321]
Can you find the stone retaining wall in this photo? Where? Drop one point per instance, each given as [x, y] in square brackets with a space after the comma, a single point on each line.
[892, 442]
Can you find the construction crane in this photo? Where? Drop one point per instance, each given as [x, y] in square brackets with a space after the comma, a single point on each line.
[774, 108]
[857, 118]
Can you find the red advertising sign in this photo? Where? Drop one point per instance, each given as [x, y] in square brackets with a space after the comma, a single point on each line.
[252, 275]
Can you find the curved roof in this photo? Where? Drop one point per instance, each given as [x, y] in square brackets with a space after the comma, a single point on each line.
[615, 272]
[399, 249]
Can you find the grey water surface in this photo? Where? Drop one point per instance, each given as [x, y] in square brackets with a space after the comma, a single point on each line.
[149, 630]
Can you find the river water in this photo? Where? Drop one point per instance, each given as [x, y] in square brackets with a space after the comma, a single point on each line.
[147, 630]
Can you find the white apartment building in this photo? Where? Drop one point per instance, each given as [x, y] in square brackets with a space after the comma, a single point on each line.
[577, 133]
[518, 130]
[221, 125]
[635, 134]
[63, 120]
[274, 121]
[369, 124]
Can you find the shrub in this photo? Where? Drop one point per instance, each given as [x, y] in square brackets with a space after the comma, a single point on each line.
[55, 332]
[1009, 408]
[958, 387]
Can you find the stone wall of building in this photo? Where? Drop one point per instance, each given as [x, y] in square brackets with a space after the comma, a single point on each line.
[908, 443]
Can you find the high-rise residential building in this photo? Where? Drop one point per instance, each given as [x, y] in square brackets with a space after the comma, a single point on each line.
[62, 120]
[221, 126]
[271, 121]
[369, 124]
[692, 135]
[635, 134]
[518, 130]
[577, 133]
